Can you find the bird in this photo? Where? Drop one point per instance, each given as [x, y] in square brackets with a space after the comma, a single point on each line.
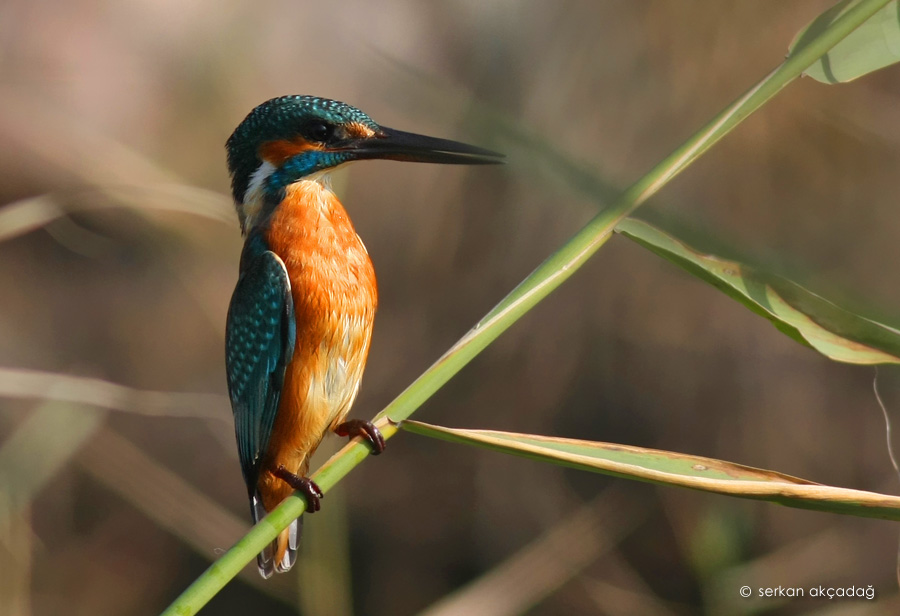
[300, 319]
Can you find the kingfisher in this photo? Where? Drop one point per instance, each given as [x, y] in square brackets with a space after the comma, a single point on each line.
[300, 319]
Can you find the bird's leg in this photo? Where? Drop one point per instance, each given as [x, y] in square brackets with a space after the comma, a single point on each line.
[365, 429]
[304, 485]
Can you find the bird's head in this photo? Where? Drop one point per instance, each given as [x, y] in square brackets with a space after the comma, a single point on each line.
[290, 138]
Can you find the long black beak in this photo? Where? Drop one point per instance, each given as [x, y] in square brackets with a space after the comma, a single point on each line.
[394, 144]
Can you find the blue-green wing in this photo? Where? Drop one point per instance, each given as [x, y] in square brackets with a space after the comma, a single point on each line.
[259, 341]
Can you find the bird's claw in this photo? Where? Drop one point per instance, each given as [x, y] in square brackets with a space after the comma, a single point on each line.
[306, 486]
[365, 429]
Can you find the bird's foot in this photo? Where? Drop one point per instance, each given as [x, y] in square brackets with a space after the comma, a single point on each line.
[365, 429]
[304, 485]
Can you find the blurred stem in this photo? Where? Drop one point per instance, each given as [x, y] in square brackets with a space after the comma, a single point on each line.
[549, 275]
[324, 579]
[16, 559]
[40, 446]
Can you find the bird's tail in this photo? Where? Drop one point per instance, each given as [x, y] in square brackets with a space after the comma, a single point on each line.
[280, 555]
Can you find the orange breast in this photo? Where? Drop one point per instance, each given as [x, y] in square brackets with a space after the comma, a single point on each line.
[335, 297]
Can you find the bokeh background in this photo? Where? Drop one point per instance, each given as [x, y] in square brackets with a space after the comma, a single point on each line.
[119, 480]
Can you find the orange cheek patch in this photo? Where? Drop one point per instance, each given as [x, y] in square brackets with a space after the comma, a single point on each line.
[276, 152]
[355, 129]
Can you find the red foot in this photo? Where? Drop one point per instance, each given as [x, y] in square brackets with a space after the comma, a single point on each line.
[304, 485]
[365, 429]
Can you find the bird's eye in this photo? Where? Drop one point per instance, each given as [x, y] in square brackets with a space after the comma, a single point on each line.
[318, 131]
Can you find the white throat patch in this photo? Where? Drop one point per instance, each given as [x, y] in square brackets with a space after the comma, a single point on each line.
[253, 196]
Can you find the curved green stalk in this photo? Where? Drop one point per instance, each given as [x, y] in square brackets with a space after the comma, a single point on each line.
[549, 275]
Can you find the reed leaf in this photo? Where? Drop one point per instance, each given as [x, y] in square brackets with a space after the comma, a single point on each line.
[673, 469]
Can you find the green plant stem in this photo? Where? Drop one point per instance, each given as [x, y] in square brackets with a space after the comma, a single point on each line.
[549, 275]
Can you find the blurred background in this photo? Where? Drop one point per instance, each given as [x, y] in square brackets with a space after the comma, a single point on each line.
[119, 479]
